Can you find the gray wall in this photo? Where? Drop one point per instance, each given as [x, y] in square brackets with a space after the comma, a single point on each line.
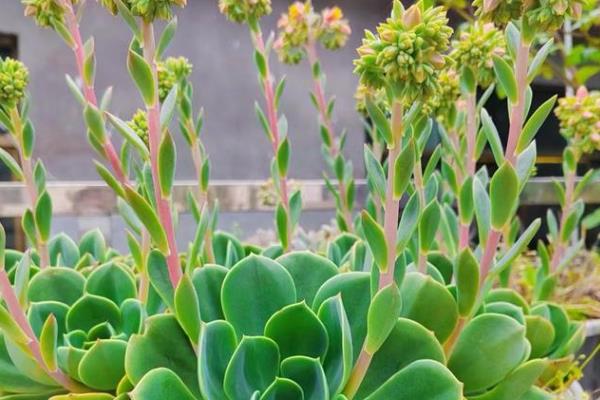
[224, 79]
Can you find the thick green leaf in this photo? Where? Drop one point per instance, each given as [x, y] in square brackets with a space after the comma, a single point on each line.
[56, 284]
[208, 282]
[91, 310]
[168, 107]
[429, 303]
[504, 195]
[540, 334]
[187, 308]
[381, 318]
[282, 224]
[129, 135]
[375, 238]
[297, 331]
[283, 157]
[380, 121]
[93, 243]
[337, 362]
[517, 383]
[166, 37]
[403, 168]
[43, 215]
[159, 277]
[39, 312]
[11, 164]
[14, 381]
[489, 347]
[141, 73]
[221, 243]
[133, 315]
[428, 225]
[163, 344]
[506, 78]
[161, 384]
[112, 281]
[467, 281]
[148, 217]
[48, 342]
[218, 342]
[167, 158]
[354, 289]
[409, 341]
[423, 379]
[309, 271]
[408, 222]
[308, 373]
[539, 59]
[534, 124]
[63, 248]
[253, 290]
[493, 138]
[95, 122]
[253, 367]
[102, 366]
[283, 389]
[375, 173]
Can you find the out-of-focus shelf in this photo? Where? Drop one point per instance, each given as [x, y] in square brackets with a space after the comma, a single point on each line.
[83, 198]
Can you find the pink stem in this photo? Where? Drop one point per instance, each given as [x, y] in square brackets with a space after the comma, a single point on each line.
[333, 148]
[358, 374]
[518, 110]
[491, 245]
[154, 136]
[471, 101]
[390, 223]
[273, 126]
[88, 90]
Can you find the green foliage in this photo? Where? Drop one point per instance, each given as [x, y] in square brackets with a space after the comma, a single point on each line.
[412, 311]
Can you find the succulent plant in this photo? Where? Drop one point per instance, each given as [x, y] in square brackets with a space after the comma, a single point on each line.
[14, 77]
[407, 52]
[402, 304]
[241, 11]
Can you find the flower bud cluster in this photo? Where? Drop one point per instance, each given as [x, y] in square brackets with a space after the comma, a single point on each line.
[14, 77]
[151, 10]
[44, 12]
[540, 15]
[579, 118]
[139, 124]
[302, 24]
[442, 105]
[334, 29]
[241, 11]
[171, 71]
[377, 96]
[475, 48]
[407, 53]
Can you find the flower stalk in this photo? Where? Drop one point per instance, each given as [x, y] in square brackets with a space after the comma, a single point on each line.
[275, 136]
[332, 146]
[89, 92]
[163, 203]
